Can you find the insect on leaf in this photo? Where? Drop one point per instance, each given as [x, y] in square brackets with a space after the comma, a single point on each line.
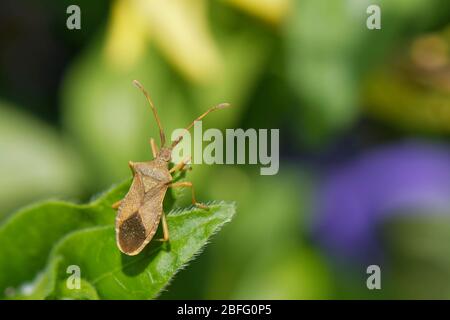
[112, 275]
[40, 242]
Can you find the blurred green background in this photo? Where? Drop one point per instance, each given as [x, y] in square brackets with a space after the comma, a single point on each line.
[364, 119]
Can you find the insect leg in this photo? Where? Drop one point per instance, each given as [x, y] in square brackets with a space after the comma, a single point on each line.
[165, 229]
[190, 185]
[116, 204]
[181, 165]
[154, 147]
[131, 165]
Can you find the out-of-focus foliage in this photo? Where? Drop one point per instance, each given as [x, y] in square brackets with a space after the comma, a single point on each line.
[413, 91]
[271, 11]
[270, 229]
[417, 248]
[329, 49]
[34, 165]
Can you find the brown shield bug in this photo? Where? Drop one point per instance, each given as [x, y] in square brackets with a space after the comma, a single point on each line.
[141, 210]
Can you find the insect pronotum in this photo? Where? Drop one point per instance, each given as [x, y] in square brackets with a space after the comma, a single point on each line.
[141, 210]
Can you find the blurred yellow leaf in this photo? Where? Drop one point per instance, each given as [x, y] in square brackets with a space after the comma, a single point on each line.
[125, 43]
[179, 28]
[272, 11]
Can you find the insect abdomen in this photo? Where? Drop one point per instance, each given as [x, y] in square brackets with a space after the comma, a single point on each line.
[132, 233]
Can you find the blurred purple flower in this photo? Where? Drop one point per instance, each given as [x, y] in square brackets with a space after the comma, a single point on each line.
[356, 197]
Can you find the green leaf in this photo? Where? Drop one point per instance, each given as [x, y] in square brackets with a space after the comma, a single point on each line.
[114, 275]
[40, 242]
[29, 235]
[85, 292]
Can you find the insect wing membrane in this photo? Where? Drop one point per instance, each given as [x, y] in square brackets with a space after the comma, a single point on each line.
[129, 227]
[137, 225]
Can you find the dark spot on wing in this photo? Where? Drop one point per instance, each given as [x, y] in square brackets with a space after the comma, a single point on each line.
[131, 233]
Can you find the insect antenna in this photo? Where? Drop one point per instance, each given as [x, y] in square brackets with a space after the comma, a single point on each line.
[217, 107]
[147, 96]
